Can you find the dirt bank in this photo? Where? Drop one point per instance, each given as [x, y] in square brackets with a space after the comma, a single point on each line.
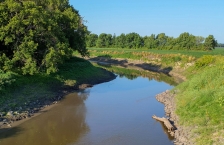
[34, 108]
[140, 65]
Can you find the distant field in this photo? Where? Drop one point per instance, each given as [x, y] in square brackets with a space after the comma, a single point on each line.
[197, 54]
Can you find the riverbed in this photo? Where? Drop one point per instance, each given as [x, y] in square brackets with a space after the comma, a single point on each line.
[118, 112]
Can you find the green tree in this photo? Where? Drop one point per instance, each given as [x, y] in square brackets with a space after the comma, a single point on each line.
[91, 40]
[104, 40]
[210, 42]
[120, 41]
[150, 42]
[162, 39]
[134, 40]
[38, 35]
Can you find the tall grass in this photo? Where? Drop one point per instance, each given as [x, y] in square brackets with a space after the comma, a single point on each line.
[200, 103]
[155, 58]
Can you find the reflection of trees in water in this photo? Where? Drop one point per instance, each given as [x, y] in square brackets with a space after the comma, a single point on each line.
[62, 124]
[130, 77]
[132, 74]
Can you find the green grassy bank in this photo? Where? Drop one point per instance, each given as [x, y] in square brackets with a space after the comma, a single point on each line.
[194, 53]
[200, 99]
[18, 91]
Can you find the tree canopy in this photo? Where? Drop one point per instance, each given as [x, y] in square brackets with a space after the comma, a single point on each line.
[184, 41]
[38, 35]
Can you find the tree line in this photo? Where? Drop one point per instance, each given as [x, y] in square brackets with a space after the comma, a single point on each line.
[38, 35]
[220, 45]
[185, 41]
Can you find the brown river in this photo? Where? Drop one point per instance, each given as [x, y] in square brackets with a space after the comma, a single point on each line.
[118, 112]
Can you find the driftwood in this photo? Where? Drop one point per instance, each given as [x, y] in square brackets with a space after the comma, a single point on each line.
[167, 123]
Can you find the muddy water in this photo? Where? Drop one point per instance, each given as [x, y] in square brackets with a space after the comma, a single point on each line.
[114, 113]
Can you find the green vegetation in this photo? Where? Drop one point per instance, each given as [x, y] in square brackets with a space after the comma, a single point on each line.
[38, 35]
[144, 56]
[17, 90]
[200, 101]
[133, 40]
[37, 39]
[196, 54]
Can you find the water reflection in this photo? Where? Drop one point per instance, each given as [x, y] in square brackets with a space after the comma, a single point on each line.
[131, 74]
[63, 124]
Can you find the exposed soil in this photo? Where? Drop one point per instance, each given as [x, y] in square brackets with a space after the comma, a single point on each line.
[140, 65]
[36, 107]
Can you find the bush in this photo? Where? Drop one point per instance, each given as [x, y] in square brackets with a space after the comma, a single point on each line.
[205, 60]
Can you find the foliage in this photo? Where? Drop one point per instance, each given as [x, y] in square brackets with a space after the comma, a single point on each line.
[204, 61]
[210, 42]
[185, 41]
[39, 35]
[91, 40]
[133, 40]
[6, 79]
[104, 40]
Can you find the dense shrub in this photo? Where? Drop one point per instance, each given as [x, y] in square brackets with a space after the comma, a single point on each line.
[204, 61]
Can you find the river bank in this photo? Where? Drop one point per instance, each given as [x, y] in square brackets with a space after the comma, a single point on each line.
[78, 75]
[181, 133]
[141, 65]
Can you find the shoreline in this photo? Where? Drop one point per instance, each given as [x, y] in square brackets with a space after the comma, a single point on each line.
[13, 119]
[181, 133]
[140, 65]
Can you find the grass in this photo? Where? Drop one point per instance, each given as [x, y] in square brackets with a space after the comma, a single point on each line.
[145, 56]
[200, 103]
[17, 90]
[196, 54]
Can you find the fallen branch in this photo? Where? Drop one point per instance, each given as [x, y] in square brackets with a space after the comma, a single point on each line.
[167, 123]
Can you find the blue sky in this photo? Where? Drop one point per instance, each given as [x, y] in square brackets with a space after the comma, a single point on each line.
[146, 17]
